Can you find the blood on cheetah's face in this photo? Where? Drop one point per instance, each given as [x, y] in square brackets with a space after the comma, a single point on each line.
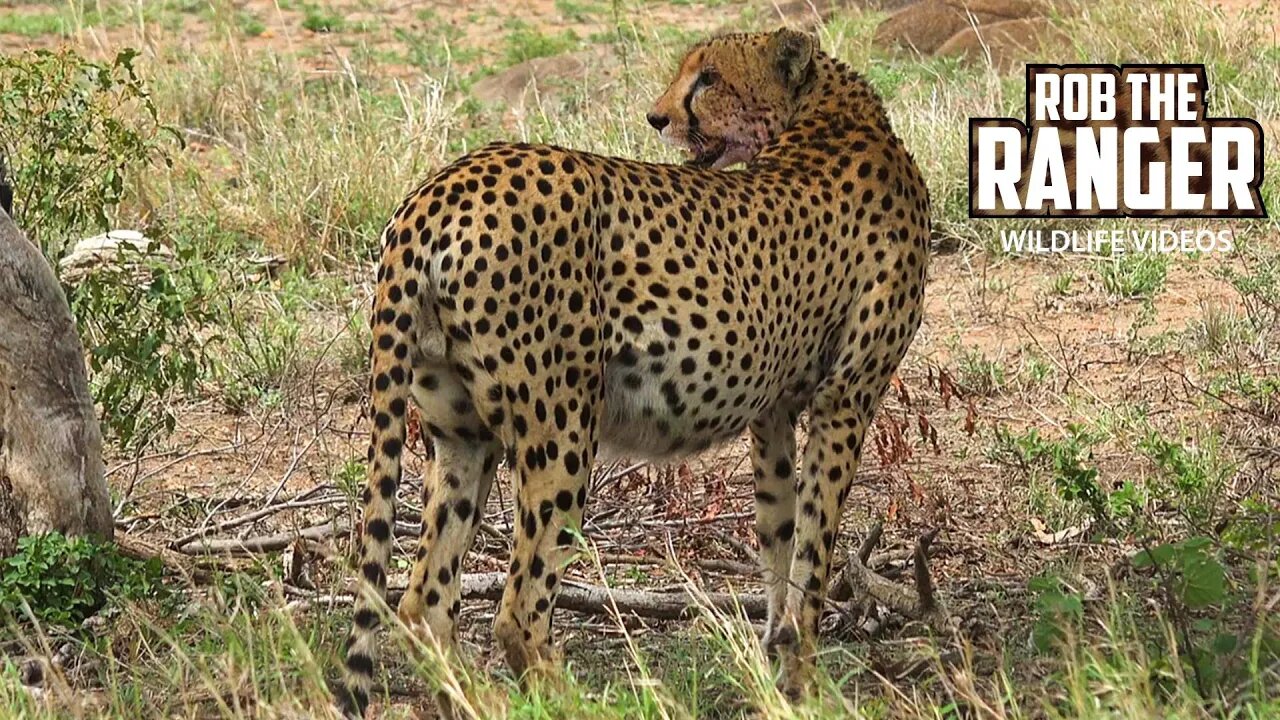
[733, 95]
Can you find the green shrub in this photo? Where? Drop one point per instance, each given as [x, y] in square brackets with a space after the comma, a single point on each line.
[525, 43]
[75, 132]
[1193, 475]
[1059, 612]
[261, 352]
[145, 340]
[1134, 275]
[322, 20]
[1200, 579]
[64, 580]
[1068, 462]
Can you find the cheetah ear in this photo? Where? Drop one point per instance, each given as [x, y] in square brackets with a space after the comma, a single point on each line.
[791, 52]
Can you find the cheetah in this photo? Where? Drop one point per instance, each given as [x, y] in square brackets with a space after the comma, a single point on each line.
[546, 305]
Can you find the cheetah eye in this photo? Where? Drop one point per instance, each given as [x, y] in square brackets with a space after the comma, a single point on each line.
[708, 77]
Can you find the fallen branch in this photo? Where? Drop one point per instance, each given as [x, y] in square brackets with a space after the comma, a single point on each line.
[303, 501]
[138, 548]
[277, 541]
[858, 582]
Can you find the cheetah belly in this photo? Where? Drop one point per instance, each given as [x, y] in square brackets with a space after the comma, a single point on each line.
[654, 409]
[640, 422]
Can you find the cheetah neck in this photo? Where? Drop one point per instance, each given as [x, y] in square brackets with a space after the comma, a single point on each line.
[835, 92]
[833, 102]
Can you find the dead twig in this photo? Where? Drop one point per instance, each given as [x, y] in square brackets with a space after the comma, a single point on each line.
[302, 501]
[288, 473]
[859, 582]
[141, 549]
[277, 541]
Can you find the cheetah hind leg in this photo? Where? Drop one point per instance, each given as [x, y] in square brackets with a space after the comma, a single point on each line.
[551, 493]
[454, 493]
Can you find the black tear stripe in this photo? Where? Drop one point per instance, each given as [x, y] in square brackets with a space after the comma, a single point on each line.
[688, 108]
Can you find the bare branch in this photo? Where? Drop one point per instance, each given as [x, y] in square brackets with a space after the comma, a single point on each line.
[859, 582]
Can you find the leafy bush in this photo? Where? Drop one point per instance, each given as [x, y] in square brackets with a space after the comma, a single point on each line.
[1067, 461]
[65, 580]
[1193, 475]
[75, 131]
[144, 339]
[1215, 617]
[1059, 612]
[1200, 577]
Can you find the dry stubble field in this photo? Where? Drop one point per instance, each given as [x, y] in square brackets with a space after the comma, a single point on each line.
[1096, 438]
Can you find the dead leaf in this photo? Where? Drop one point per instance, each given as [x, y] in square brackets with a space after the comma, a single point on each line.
[1041, 533]
[946, 388]
[902, 390]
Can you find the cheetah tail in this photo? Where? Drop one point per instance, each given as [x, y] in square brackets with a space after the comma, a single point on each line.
[391, 376]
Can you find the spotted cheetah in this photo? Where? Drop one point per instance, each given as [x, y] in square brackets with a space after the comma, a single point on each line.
[545, 305]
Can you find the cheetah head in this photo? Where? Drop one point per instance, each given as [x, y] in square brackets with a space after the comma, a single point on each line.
[734, 94]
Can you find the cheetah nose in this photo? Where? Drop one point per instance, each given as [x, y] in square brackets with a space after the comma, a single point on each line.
[659, 122]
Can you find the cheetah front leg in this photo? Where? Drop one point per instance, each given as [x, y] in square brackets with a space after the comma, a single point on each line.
[839, 414]
[773, 460]
[829, 464]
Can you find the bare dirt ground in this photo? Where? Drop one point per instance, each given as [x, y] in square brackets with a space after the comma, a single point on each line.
[476, 28]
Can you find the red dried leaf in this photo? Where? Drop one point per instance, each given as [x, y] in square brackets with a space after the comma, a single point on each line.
[902, 390]
[946, 388]
[413, 427]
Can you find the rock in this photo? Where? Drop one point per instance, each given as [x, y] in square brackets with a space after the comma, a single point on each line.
[546, 80]
[1011, 44]
[1002, 8]
[119, 249]
[926, 25]
[1011, 29]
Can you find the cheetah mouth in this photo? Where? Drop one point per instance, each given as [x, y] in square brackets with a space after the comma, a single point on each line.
[719, 154]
